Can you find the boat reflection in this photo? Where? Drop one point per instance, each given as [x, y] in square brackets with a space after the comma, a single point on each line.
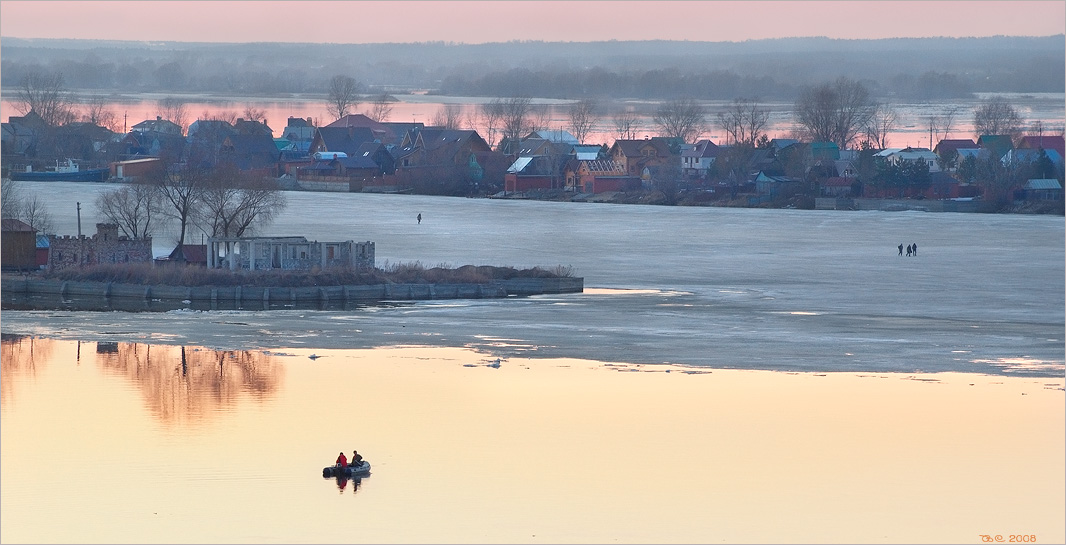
[342, 483]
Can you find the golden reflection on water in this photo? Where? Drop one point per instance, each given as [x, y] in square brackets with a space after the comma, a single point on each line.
[538, 451]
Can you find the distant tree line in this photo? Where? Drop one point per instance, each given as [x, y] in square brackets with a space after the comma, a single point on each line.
[774, 69]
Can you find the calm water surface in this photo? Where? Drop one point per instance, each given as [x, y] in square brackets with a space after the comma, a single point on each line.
[135, 443]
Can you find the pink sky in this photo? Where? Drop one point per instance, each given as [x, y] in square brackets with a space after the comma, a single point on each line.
[500, 21]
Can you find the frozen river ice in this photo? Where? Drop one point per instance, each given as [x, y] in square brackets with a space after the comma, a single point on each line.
[715, 287]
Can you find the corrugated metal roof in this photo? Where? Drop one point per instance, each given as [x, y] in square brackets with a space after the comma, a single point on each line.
[1043, 184]
[519, 165]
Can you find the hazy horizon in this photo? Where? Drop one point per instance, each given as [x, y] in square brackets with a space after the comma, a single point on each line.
[464, 21]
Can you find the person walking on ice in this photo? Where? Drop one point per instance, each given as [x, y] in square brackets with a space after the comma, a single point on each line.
[914, 249]
[900, 249]
[420, 218]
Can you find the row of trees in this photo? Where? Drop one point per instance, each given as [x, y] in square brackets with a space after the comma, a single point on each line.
[843, 112]
[221, 200]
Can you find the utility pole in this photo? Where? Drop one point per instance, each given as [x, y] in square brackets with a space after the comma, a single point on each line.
[79, 220]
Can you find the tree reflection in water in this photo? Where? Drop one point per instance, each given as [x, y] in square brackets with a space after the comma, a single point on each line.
[20, 356]
[179, 384]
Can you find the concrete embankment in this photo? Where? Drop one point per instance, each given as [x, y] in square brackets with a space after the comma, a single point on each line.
[29, 293]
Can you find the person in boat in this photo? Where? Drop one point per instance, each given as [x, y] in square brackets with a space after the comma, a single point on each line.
[357, 459]
[342, 460]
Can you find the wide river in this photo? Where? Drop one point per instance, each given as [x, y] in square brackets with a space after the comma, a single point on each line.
[728, 375]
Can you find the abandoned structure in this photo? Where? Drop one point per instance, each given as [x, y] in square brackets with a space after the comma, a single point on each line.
[106, 246]
[288, 253]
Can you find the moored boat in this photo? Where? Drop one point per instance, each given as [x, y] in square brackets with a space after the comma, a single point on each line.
[66, 171]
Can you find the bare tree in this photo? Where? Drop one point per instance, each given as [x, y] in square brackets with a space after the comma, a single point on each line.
[228, 117]
[380, 108]
[15, 204]
[682, 118]
[35, 214]
[835, 112]
[625, 124]
[181, 193]
[233, 205]
[996, 116]
[45, 95]
[343, 96]
[516, 117]
[744, 121]
[448, 116]
[582, 116]
[492, 116]
[135, 208]
[252, 113]
[173, 109]
[10, 199]
[97, 113]
[884, 120]
[940, 125]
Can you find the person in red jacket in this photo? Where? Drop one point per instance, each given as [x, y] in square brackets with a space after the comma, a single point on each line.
[342, 461]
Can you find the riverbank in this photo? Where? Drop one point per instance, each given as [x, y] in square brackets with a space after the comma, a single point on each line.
[28, 293]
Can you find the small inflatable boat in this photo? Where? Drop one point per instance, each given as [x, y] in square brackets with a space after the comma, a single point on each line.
[360, 470]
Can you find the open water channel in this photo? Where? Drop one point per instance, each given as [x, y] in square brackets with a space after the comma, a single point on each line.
[728, 375]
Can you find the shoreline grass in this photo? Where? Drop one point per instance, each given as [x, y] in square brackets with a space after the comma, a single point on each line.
[400, 273]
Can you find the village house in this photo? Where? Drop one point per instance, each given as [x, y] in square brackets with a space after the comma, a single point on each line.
[696, 159]
[896, 156]
[18, 245]
[252, 153]
[158, 125]
[598, 176]
[636, 155]
[947, 151]
[1040, 189]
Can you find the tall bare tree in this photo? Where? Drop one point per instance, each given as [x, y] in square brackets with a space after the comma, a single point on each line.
[491, 114]
[517, 119]
[380, 108]
[181, 193]
[135, 208]
[233, 204]
[835, 112]
[884, 120]
[36, 215]
[683, 118]
[996, 116]
[625, 124]
[175, 110]
[744, 121]
[582, 116]
[46, 95]
[10, 198]
[98, 113]
[15, 204]
[343, 96]
[940, 125]
[448, 116]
